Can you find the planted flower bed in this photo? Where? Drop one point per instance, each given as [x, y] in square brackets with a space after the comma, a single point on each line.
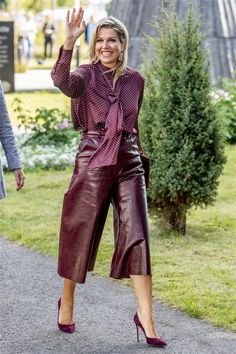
[47, 139]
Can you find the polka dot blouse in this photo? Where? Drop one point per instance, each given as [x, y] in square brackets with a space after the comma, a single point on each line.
[96, 104]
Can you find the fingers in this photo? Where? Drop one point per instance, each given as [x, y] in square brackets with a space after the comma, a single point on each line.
[74, 17]
[75, 26]
[20, 183]
[20, 179]
[79, 16]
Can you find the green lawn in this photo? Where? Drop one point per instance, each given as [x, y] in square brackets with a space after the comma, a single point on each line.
[195, 273]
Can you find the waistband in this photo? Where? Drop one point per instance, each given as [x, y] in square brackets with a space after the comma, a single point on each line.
[101, 133]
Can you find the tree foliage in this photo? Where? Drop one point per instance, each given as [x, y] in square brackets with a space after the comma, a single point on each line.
[180, 130]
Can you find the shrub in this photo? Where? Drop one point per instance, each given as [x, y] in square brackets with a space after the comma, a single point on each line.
[180, 130]
[48, 140]
[226, 108]
[45, 127]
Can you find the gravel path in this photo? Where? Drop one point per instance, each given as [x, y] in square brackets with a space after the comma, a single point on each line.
[103, 313]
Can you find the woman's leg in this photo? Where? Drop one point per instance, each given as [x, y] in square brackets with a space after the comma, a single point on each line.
[67, 302]
[143, 290]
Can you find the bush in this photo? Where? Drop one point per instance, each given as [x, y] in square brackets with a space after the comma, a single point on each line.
[180, 130]
[226, 108]
[48, 140]
[46, 127]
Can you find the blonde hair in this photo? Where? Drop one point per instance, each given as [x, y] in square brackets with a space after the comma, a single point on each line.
[122, 32]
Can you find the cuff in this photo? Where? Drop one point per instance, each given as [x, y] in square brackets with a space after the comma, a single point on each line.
[65, 55]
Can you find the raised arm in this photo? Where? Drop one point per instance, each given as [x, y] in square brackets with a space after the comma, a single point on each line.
[73, 83]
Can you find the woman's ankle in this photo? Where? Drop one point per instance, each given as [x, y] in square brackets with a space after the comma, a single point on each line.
[68, 300]
[145, 314]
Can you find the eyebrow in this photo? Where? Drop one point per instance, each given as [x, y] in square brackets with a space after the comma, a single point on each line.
[107, 38]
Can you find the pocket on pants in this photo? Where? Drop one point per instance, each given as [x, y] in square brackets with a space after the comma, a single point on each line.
[88, 146]
[82, 146]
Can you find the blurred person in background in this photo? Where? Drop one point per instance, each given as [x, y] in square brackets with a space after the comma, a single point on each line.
[106, 99]
[49, 31]
[8, 143]
[22, 41]
[30, 34]
[89, 30]
[26, 37]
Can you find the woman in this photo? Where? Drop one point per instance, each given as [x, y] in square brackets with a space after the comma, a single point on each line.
[8, 142]
[106, 99]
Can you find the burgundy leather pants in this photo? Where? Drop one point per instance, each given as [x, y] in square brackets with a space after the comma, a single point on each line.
[85, 209]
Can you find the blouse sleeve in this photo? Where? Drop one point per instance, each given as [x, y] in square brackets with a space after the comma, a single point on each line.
[73, 83]
[140, 100]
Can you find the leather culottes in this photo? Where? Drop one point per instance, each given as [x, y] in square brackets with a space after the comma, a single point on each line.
[85, 208]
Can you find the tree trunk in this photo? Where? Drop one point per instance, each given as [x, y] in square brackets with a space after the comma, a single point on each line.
[174, 218]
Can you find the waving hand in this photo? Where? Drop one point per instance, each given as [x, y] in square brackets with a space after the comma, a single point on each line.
[75, 27]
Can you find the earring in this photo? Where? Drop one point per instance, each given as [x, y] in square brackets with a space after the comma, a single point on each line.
[120, 58]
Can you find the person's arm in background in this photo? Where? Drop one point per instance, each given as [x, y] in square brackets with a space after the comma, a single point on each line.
[8, 142]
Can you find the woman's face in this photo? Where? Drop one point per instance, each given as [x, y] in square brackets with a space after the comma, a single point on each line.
[108, 47]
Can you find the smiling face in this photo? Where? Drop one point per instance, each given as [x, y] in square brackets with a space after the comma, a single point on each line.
[108, 47]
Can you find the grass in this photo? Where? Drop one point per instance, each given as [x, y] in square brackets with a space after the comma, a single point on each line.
[195, 273]
[32, 100]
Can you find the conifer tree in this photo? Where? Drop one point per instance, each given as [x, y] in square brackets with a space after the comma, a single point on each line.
[180, 131]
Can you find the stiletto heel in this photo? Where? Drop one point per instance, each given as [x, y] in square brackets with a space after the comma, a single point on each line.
[69, 328]
[156, 342]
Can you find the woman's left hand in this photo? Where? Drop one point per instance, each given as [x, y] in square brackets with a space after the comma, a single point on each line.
[20, 178]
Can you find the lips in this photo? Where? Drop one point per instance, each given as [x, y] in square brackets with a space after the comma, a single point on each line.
[106, 54]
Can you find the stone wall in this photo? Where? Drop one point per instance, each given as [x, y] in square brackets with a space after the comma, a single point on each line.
[218, 21]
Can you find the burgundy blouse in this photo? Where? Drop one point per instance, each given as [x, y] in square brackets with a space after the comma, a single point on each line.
[96, 105]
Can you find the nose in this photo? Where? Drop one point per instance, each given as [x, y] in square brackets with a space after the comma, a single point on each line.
[105, 44]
